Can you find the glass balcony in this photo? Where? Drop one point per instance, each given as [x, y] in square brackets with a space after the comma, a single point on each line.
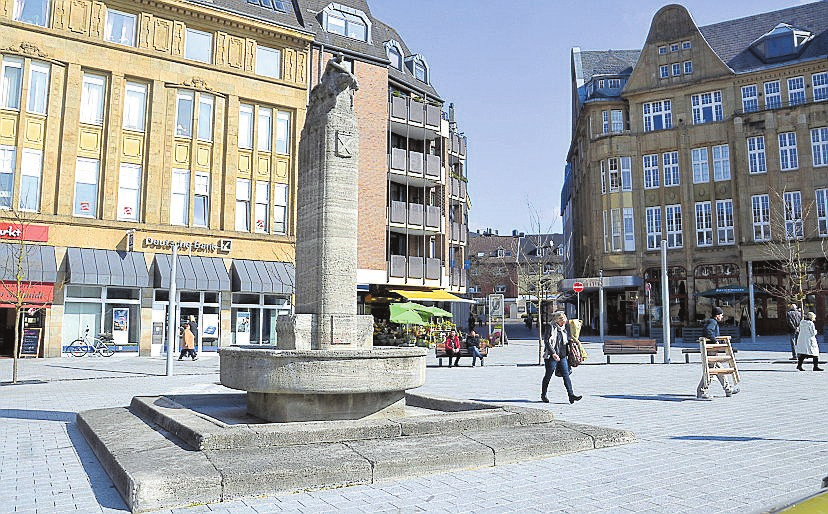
[433, 166]
[433, 217]
[415, 214]
[433, 269]
[415, 267]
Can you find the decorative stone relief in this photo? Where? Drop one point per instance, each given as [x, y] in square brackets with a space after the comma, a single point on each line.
[301, 67]
[289, 64]
[344, 144]
[25, 49]
[235, 53]
[145, 30]
[178, 38]
[98, 13]
[163, 35]
[79, 16]
[60, 15]
[221, 43]
[250, 55]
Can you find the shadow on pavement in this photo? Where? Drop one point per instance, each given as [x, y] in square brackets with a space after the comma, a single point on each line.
[657, 397]
[23, 382]
[105, 370]
[739, 438]
[102, 487]
[498, 400]
[42, 415]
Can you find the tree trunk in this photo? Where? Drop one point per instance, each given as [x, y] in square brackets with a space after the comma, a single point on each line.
[16, 344]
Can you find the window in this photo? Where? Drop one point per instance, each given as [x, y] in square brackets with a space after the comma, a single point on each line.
[761, 217]
[12, 82]
[246, 126]
[685, 45]
[796, 90]
[657, 115]
[704, 224]
[788, 159]
[750, 98]
[35, 12]
[701, 170]
[345, 24]
[268, 62]
[92, 99]
[265, 129]
[674, 47]
[180, 202]
[31, 169]
[282, 132]
[606, 232]
[773, 96]
[243, 205]
[614, 83]
[615, 225]
[793, 215]
[38, 95]
[120, 28]
[601, 84]
[500, 289]
[707, 107]
[184, 113]
[670, 162]
[653, 216]
[676, 69]
[86, 187]
[820, 84]
[651, 175]
[420, 71]
[262, 206]
[614, 176]
[822, 211]
[129, 192]
[198, 46]
[205, 117]
[673, 222]
[721, 162]
[756, 154]
[274, 5]
[201, 203]
[819, 146]
[626, 174]
[688, 67]
[629, 230]
[135, 106]
[662, 50]
[280, 205]
[613, 121]
[724, 221]
[603, 179]
[664, 71]
[7, 163]
[394, 56]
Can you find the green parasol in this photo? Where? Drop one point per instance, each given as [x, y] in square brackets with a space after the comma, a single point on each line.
[404, 314]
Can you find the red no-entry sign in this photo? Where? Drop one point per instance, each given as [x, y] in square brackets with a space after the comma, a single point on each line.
[578, 287]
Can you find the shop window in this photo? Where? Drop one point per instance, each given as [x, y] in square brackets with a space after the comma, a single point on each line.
[162, 295]
[211, 298]
[116, 293]
[190, 296]
[83, 292]
[244, 298]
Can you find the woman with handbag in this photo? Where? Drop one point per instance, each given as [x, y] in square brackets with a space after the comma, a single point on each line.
[555, 357]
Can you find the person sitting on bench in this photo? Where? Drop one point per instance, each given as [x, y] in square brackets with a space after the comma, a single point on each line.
[473, 343]
[453, 348]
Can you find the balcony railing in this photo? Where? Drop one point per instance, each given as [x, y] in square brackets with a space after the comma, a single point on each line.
[433, 166]
[398, 266]
[415, 266]
[413, 164]
[399, 213]
[415, 214]
[413, 111]
[433, 217]
[433, 267]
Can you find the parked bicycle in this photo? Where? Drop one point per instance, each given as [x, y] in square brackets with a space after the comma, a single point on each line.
[100, 345]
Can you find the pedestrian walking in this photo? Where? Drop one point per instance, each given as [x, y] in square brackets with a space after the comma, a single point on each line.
[806, 342]
[187, 343]
[711, 332]
[452, 343]
[472, 322]
[554, 357]
[793, 319]
[194, 330]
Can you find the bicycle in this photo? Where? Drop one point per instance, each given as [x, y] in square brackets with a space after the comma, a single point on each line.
[100, 345]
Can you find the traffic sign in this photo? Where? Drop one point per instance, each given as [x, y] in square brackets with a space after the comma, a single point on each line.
[578, 287]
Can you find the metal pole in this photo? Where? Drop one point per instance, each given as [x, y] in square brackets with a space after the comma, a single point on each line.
[601, 303]
[665, 302]
[172, 332]
[751, 303]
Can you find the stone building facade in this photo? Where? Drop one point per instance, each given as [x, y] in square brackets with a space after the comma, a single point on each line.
[711, 138]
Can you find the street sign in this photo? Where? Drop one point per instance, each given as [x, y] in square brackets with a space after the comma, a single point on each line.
[578, 287]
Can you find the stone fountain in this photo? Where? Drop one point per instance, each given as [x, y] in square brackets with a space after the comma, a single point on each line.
[324, 366]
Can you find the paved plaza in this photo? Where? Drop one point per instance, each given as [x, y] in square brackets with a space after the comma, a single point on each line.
[741, 454]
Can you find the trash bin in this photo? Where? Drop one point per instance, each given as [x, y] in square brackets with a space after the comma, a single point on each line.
[636, 330]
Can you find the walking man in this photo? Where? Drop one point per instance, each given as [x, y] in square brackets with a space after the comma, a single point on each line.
[793, 318]
[711, 332]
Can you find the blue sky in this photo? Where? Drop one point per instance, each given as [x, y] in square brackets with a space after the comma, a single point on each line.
[505, 65]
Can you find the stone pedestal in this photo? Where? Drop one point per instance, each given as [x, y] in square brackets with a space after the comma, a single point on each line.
[319, 332]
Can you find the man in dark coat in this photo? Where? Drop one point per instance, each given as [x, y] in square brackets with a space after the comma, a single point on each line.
[793, 319]
[711, 332]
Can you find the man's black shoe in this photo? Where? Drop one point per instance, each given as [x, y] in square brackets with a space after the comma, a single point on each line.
[544, 399]
[574, 398]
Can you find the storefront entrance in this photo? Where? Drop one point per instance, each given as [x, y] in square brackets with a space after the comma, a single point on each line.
[31, 322]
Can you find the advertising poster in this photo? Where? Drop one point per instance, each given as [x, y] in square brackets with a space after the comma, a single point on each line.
[242, 328]
[120, 326]
[210, 331]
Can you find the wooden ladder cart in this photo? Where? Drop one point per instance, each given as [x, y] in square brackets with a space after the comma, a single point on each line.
[718, 359]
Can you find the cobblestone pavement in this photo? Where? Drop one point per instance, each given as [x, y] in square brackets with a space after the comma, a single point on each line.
[740, 454]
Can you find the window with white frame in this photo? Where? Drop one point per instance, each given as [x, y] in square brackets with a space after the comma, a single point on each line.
[184, 113]
[265, 133]
[688, 67]
[129, 192]
[31, 171]
[704, 224]
[724, 221]
[205, 117]
[673, 224]
[651, 174]
[243, 205]
[614, 83]
[616, 227]
[662, 50]
[8, 161]
[773, 95]
[38, 95]
[246, 126]
[607, 231]
[761, 217]
[34, 12]
[201, 200]
[686, 45]
[601, 84]
[707, 107]
[268, 62]
[796, 90]
[626, 174]
[819, 146]
[674, 47]
[280, 207]
[613, 121]
[819, 81]
[135, 106]
[750, 98]
[756, 155]
[282, 132]
[180, 200]
[198, 46]
[653, 218]
[394, 55]
[788, 158]
[822, 211]
[670, 164]
[629, 230]
[721, 162]
[345, 24]
[701, 168]
[603, 179]
[86, 187]
[92, 99]
[614, 175]
[262, 208]
[500, 289]
[664, 71]
[793, 215]
[120, 28]
[657, 115]
[420, 71]
[12, 82]
[676, 69]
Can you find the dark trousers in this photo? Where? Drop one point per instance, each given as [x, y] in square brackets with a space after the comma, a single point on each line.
[450, 353]
[802, 358]
[551, 364]
[187, 352]
[793, 344]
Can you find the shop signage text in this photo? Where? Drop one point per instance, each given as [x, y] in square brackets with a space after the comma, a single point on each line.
[24, 232]
[222, 245]
[31, 293]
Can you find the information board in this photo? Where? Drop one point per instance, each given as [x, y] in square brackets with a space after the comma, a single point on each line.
[30, 345]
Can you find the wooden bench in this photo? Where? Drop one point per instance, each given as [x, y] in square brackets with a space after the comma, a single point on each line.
[440, 352]
[687, 351]
[630, 347]
[692, 334]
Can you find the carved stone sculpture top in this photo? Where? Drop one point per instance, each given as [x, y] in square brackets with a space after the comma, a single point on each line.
[334, 81]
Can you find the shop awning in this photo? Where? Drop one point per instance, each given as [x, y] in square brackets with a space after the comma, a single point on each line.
[96, 267]
[250, 276]
[38, 261]
[193, 272]
[434, 295]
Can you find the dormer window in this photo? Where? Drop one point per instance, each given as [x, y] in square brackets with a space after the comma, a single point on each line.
[273, 5]
[392, 50]
[781, 43]
[346, 21]
[418, 67]
[420, 71]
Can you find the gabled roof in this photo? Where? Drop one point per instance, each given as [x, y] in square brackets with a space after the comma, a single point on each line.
[289, 18]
